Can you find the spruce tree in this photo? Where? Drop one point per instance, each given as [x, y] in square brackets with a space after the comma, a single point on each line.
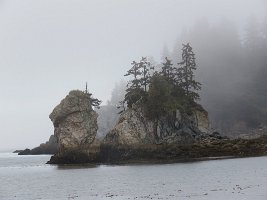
[134, 89]
[145, 67]
[168, 70]
[135, 72]
[94, 101]
[185, 73]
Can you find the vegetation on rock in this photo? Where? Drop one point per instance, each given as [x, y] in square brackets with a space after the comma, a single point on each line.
[171, 88]
[233, 71]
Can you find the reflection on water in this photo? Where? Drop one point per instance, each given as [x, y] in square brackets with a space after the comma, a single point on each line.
[27, 177]
[80, 166]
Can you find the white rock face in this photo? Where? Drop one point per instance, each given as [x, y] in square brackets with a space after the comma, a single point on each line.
[130, 130]
[203, 123]
[74, 120]
[134, 128]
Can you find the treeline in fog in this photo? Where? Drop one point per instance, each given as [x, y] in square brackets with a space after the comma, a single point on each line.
[232, 68]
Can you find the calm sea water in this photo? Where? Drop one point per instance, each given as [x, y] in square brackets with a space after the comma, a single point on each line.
[27, 177]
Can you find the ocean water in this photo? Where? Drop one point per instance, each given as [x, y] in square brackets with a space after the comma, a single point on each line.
[28, 177]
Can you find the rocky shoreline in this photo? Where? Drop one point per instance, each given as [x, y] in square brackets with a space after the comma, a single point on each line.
[107, 154]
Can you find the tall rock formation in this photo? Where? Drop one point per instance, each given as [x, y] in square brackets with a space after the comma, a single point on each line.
[75, 127]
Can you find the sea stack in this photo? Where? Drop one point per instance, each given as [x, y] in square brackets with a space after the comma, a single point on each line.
[136, 137]
[75, 128]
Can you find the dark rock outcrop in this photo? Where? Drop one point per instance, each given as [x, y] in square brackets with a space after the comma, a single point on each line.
[50, 147]
[17, 151]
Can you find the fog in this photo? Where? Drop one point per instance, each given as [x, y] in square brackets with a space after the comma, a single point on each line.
[48, 48]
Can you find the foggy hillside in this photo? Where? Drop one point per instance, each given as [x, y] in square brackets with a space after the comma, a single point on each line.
[232, 68]
[108, 115]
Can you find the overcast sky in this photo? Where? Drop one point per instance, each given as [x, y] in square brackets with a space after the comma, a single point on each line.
[49, 47]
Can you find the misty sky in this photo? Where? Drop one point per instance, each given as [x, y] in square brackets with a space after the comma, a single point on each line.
[49, 47]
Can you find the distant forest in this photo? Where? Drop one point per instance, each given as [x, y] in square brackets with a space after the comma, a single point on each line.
[232, 68]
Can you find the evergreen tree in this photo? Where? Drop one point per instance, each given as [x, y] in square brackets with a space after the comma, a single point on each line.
[94, 101]
[135, 72]
[164, 97]
[169, 89]
[145, 67]
[134, 91]
[168, 70]
[185, 73]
